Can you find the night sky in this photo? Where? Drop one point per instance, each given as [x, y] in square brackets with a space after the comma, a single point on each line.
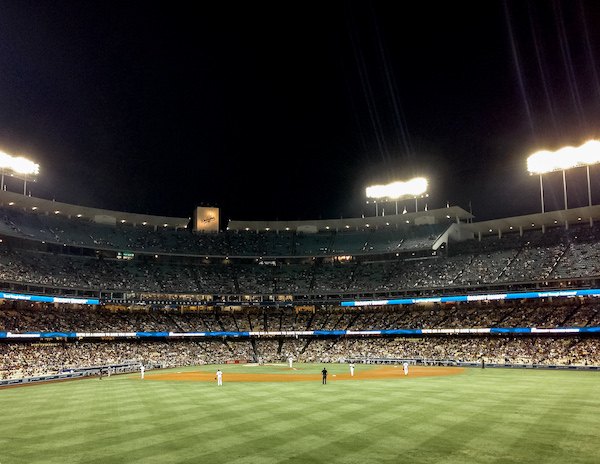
[288, 110]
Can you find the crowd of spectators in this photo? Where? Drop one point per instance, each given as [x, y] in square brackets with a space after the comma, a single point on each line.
[84, 233]
[35, 358]
[33, 317]
[32, 359]
[492, 349]
[535, 257]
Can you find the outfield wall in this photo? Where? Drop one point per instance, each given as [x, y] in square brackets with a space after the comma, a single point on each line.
[40, 379]
[76, 373]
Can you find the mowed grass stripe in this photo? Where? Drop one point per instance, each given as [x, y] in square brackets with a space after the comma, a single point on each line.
[361, 418]
[212, 433]
[182, 428]
[489, 416]
[382, 431]
[237, 424]
[240, 420]
[280, 440]
[530, 419]
[181, 433]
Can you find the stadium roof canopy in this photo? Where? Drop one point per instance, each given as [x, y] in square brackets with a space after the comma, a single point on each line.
[102, 216]
[538, 221]
[435, 216]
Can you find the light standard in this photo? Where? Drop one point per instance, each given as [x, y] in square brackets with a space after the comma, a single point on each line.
[18, 167]
[397, 190]
[545, 161]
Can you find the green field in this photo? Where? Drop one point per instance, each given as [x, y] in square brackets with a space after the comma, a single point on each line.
[481, 416]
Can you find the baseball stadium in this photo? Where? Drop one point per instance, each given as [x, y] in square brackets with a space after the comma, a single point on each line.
[421, 336]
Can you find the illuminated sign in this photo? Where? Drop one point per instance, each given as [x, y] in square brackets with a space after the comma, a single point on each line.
[306, 333]
[126, 255]
[48, 299]
[206, 219]
[485, 297]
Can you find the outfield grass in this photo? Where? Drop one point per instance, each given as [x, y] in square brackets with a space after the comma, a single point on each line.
[482, 416]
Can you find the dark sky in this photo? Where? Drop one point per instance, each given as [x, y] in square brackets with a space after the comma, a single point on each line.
[288, 110]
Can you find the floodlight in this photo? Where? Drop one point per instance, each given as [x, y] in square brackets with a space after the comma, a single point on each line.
[17, 167]
[545, 161]
[18, 164]
[397, 190]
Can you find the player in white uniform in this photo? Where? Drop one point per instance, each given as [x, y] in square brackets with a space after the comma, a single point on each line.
[142, 370]
[405, 367]
[219, 377]
[290, 361]
[351, 369]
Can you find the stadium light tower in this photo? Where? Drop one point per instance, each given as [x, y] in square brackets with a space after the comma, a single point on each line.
[544, 161]
[398, 190]
[18, 167]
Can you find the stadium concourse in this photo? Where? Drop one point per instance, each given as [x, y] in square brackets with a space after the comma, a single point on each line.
[165, 296]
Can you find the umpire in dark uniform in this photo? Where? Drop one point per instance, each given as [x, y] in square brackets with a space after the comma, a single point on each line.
[324, 372]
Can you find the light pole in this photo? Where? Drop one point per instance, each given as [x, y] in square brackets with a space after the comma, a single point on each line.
[565, 188]
[542, 192]
[589, 185]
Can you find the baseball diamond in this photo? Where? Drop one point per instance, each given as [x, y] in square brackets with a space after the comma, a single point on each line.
[387, 372]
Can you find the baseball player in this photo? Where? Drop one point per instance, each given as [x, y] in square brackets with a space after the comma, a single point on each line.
[290, 361]
[219, 377]
[351, 369]
[405, 367]
[142, 370]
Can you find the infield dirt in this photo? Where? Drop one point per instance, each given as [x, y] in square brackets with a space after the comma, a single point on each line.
[384, 372]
